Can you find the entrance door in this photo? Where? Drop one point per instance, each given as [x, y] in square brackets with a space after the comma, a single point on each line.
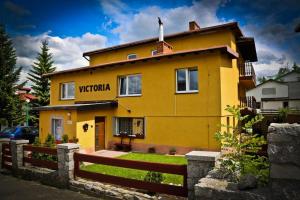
[99, 133]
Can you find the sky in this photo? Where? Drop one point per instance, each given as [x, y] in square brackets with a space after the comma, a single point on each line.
[76, 26]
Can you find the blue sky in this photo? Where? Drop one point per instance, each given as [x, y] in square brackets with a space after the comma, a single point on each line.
[73, 27]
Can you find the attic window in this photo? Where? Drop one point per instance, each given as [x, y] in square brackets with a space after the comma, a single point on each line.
[154, 52]
[131, 56]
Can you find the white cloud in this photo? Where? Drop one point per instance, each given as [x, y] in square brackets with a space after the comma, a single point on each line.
[66, 52]
[143, 24]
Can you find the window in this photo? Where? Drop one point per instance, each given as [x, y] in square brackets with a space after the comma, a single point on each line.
[57, 128]
[285, 104]
[130, 85]
[187, 80]
[131, 56]
[268, 91]
[68, 90]
[154, 52]
[130, 127]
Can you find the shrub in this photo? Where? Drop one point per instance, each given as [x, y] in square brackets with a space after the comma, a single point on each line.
[50, 141]
[37, 141]
[172, 151]
[75, 139]
[151, 150]
[282, 114]
[65, 138]
[154, 177]
[244, 145]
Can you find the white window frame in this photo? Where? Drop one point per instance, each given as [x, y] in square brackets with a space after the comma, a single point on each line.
[187, 79]
[66, 91]
[116, 124]
[131, 55]
[62, 126]
[152, 52]
[127, 86]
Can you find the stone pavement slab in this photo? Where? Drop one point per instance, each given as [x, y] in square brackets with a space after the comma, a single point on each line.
[12, 188]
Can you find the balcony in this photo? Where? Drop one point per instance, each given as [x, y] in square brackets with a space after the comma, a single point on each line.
[248, 102]
[247, 75]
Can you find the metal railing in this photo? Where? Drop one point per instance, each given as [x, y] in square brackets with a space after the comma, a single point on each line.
[249, 102]
[247, 70]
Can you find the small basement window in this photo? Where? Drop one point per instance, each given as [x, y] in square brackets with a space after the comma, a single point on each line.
[129, 126]
[131, 56]
[67, 90]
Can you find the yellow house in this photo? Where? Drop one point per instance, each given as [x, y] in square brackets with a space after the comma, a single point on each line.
[164, 93]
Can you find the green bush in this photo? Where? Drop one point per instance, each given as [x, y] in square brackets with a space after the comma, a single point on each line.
[37, 142]
[154, 177]
[50, 141]
[65, 138]
[244, 145]
[282, 114]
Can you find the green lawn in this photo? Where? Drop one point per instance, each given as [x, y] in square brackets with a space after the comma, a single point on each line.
[140, 174]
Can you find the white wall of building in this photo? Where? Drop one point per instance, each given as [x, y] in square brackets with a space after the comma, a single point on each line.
[280, 88]
[294, 104]
[273, 105]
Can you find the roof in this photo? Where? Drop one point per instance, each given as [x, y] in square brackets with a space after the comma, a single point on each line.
[225, 49]
[80, 107]
[270, 80]
[293, 71]
[247, 48]
[232, 26]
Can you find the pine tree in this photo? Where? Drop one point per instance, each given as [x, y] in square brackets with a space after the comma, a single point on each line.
[10, 103]
[296, 68]
[41, 85]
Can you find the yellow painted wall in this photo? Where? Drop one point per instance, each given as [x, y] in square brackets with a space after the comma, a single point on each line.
[69, 122]
[189, 42]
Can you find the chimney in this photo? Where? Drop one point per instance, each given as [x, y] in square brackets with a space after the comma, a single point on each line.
[193, 26]
[162, 46]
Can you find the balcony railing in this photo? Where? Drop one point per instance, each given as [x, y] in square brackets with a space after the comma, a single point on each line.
[249, 102]
[247, 71]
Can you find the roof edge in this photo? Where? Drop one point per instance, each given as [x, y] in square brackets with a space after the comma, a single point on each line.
[139, 42]
[224, 48]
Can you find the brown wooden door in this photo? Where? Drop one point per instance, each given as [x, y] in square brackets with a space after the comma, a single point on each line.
[99, 136]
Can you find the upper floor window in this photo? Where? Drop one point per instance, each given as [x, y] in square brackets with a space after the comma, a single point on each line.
[154, 52]
[130, 85]
[131, 56]
[268, 91]
[187, 80]
[67, 90]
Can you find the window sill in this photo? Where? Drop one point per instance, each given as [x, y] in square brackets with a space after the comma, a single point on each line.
[135, 95]
[67, 99]
[130, 136]
[187, 92]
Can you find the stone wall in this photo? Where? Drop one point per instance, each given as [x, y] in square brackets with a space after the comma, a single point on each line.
[284, 151]
[284, 156]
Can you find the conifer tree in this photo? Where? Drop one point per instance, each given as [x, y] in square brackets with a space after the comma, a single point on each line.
[10, 103]
[40, 84]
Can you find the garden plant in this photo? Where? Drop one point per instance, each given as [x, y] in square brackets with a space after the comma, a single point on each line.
[243, 144]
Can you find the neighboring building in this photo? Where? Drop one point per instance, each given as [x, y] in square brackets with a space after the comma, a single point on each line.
[24, 95]
[275, 94]
[162, 93]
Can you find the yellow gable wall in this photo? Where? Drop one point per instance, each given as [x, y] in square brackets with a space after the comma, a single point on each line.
[193, 41]
[197, 116]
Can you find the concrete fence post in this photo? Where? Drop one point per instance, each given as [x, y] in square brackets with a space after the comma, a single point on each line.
[2, 141]
[65, 155]
[17, 154]
[199, 164]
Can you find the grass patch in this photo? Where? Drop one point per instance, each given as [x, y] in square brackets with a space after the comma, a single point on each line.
[140, 174]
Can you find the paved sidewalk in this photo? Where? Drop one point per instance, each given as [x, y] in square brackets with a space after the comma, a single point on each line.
[12, 188]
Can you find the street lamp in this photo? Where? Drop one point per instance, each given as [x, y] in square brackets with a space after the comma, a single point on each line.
[27, 112]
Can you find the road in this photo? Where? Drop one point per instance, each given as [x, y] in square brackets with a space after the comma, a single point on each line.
[12, 188]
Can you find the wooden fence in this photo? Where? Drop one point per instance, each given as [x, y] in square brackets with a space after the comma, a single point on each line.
[139, 184]
[38, 156]
[6, 157]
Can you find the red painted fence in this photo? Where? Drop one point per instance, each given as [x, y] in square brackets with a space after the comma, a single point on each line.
[139, 184]
[6, 157]
[28, 157]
